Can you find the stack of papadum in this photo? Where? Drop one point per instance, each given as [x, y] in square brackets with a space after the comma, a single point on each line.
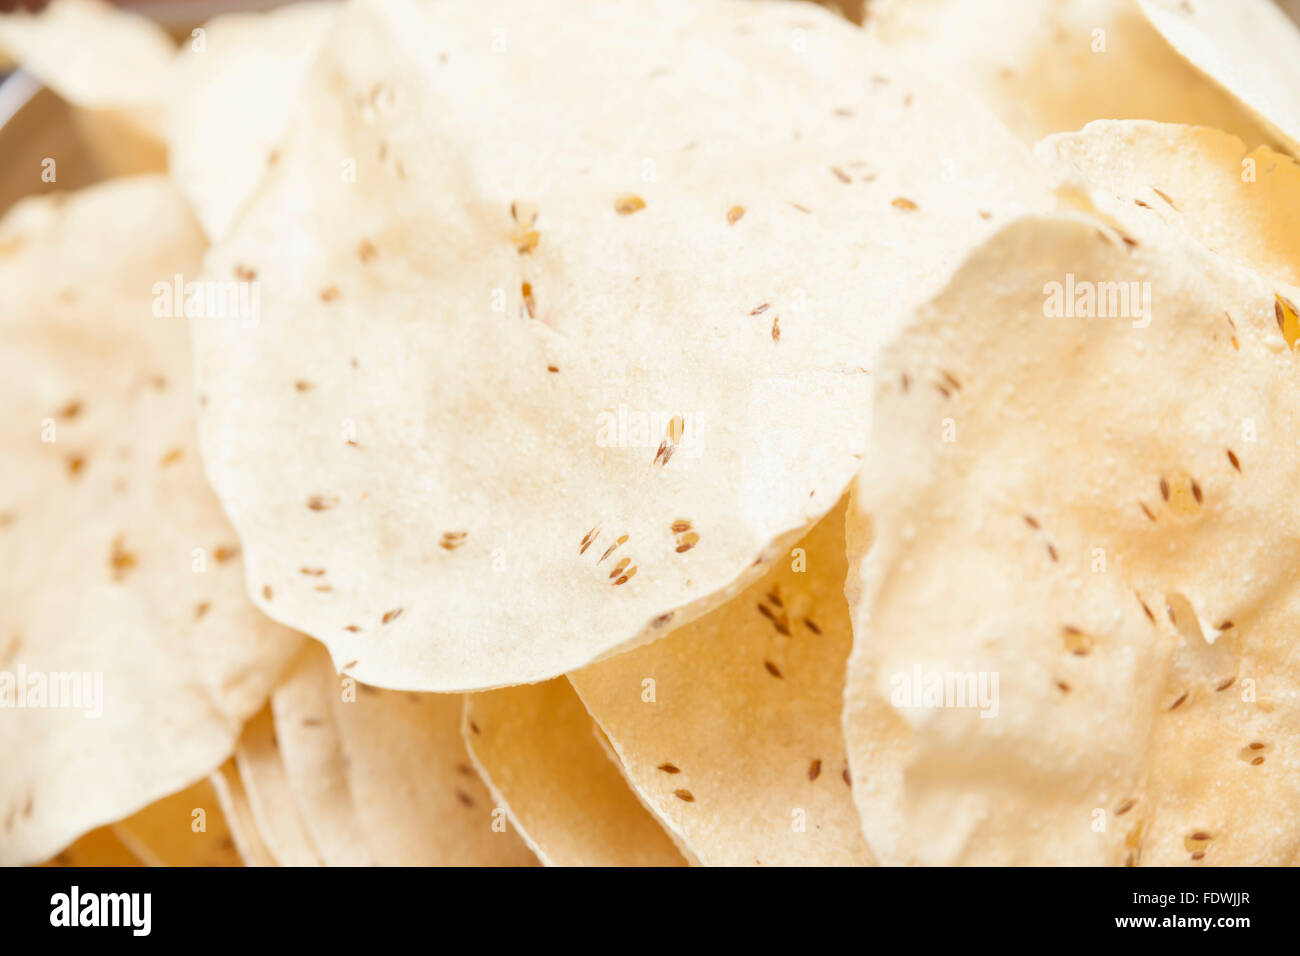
[656, 432]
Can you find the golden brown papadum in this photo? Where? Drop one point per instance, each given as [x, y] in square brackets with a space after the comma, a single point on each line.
[730, 726]
[1120, 552]
[468, 447]
[1048, 66]
[384, 778]
[535, 747]
[97, 848]
[270, 798]
[187, 828]
[1240, 204]
[119, 564]
[232, 90]
[1249, 47]
[235, 804]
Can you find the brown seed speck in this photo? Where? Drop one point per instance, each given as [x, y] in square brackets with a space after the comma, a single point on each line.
[669, 768]
[1179, 702]
[75, 464]
[70, 410]
[803, 209]
[1125, 807]
[303, 385]
[245, 274]
[552, 368]
[266, 591]
[530, 304]
[201, 609]
[464, 798]
[1051, 551]
[120, 560]
[610, 550]
[735, 214]
[224, 552]
[390, 616]
[848, 780]
[687, 541]
[772, 669]
[1163, 195]
[322, 502]
[814, 770]
[329, 293]
[1233, 459]
[173, 455]
[626, 205]
[1164, 488]
[1257, 761]
[811, 625]
[587, 540]
[759, 310]
[312, 572]
[904, 204]
[474, 727]
[1146, 511]
[840, 174]
[1031, 521]
[1197, 494]
[1225, 684]
[351, 627]
[684, 795]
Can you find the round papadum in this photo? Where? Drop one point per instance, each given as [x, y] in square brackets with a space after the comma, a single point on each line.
[539, 753]
[730, 726]
[270, 799]
[1242, 205]
[188, 828]
[1075, 632]
[121, 590]
[561, 339]
[109, 63]
[1046, 66]
[1249, 47]
[384, 777]
[232, 90]
[307, 735]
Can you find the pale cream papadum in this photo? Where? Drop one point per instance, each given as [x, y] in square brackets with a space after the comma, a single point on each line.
[231, 91]
[112, 65]
[382, 777]
[1074, 632]
[730, 726]
[1239, 203]
[236, 805]
[122, 605]
[540, 756]
[1249, 47]
[271, 804]
[1051, 66]
[539, 374]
